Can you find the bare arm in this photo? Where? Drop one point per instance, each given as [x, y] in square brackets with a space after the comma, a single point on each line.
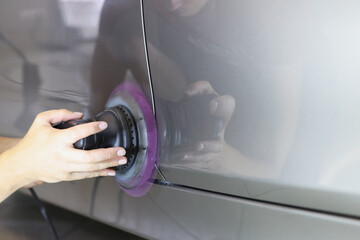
[47, 154]
[7, 143]
[7, 177]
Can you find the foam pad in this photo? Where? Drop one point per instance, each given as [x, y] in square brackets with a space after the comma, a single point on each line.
[148, 171]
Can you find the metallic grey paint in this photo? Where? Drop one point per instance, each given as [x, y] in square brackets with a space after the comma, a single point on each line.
[175, 213]
[280, 84]
[291, 68]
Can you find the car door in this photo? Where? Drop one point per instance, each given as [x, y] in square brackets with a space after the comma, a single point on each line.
[43, 62]
[275, 95]
[232, 78]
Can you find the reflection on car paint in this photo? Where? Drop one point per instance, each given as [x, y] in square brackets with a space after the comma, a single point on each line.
[285, 73]
[257, 99]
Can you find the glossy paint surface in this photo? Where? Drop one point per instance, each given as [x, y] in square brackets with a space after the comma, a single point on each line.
[45, 59]
[175, 213]
[65, 54]
[253, 99]
[286, 81]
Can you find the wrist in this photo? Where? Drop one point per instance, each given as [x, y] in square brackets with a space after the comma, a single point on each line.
[13, 175]
[7, 142]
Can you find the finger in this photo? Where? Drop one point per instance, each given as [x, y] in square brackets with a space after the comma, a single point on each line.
[30, 185]
[210, 146]
[56, 116]
[89, 167]
[222, 107]
[199, 88]
[78, 132]
[33, 184]
[96, 155]
[91, 174]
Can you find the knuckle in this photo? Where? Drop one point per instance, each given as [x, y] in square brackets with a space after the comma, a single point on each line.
[88, 128]
[92, 167]
[40, 115]
[228, 99]
[95, 127]
[72, 135]
[113, 163]
[89, 175]
[232, 101]
[204, 84]
[63, 111]
[68, 133]
[55, 139]
[66, 176]
[92, 175]
[109, 154]
[88, 158]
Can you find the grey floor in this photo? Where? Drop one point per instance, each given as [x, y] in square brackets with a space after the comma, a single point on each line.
[20, 219]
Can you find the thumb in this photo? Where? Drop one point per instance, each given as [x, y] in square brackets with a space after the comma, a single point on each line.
[56, 116]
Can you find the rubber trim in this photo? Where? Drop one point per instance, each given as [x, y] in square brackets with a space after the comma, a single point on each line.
[149, 70]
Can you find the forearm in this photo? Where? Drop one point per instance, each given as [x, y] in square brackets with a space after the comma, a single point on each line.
[11, 177]
[7, 143]
[47, 154]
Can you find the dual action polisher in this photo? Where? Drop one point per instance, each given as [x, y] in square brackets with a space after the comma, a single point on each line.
[131, 125]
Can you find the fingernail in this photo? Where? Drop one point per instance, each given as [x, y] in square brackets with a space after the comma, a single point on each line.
[111, 173]
[201, 146]
[103, 125]
[121, 152]
[78, 113]
[214, 106]
[122, 161]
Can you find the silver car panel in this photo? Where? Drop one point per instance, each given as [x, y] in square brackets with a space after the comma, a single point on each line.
[292, 69]
[178, 213]
[290, 66]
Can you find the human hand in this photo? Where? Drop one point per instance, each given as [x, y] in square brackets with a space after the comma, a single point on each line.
[47, 154]
[221, 107]
[31, 185]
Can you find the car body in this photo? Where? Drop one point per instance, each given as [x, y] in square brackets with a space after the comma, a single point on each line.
[263, 94]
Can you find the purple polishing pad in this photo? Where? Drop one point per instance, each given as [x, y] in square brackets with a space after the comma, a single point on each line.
[148, 169]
